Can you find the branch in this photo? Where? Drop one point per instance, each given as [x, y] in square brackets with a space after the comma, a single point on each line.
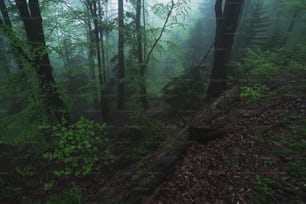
[207, 53]
[161, 33]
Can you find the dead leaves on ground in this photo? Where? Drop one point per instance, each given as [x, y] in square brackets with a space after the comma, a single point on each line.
[244, 166]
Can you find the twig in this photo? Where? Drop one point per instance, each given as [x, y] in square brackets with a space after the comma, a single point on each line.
[161, 32]
[207, 53]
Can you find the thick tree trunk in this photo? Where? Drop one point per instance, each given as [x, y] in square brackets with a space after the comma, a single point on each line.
[31, 17]
[227, 22]
[121, 68]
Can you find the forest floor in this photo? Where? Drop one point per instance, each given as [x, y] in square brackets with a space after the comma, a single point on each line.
[262, 158]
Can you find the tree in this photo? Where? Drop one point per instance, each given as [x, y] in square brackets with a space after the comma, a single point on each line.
[227, 21]
[96, 48]
[121, 67]
[295, 10]
[142, 66]
[30, 14]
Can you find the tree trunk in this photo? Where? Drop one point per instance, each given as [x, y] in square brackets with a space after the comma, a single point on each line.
[290, 27]
[226, 24]
[142, 66]
[121, 68]
[31, 17]
[19, 55]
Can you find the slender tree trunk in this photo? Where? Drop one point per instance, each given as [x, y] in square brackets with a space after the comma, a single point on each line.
[31, 17]
[121, 66]
[226, 24]
[144, 28]
[290, 27]
[142, 66]
[104, 93]
[6, 30]
[99, 59]
[94, 8]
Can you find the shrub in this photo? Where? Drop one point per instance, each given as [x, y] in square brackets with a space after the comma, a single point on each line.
[79, 147]
[254, 93]
[71, 196]
[261, 65]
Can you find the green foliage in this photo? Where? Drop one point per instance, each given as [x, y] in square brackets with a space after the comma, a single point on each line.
[144, 133]
[253, 94]
[298, 167]
[258, 65]
[48, 185]
[298, 164]
[278, 138]
[79, 147]
[186, 91]
[300, 128]
[6, 191]
[71, 196]
[24, 127]
[263, 190]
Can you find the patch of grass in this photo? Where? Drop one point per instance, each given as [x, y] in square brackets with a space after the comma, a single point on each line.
[298, 167]
[253, 93]
[300, 128]
[71, 196]
[298, 146]
[279, 150]
[264, 192]
[278, 137]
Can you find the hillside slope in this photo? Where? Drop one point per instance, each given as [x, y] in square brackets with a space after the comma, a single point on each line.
[262, 158]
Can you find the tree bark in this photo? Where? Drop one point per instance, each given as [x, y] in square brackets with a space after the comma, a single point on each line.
[226, 24]
[6, 29]
[142, 66]
[121, 66]
[31, 17]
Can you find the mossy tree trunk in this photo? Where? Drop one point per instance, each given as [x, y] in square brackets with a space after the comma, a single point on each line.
[31, 17]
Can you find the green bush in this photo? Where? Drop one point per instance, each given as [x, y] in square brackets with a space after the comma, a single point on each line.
[264, 192]
[71, 196]
[260, 65]
[253, 94]
[79, 147]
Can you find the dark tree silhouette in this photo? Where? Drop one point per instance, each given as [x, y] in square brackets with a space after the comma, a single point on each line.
[121, 68]
[140, 61]
[227, 21]
[31, 17]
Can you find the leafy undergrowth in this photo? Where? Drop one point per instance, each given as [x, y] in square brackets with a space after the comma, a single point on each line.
[262, 159]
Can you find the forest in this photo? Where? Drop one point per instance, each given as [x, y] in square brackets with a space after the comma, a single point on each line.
[160, 101]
